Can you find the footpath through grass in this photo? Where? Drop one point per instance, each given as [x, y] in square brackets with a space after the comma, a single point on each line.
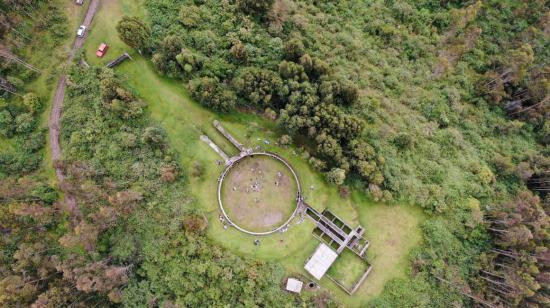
[392, 230]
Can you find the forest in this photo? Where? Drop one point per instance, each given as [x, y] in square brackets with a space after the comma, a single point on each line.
[438, 104]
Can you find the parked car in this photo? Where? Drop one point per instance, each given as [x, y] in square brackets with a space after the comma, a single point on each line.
[101, 50]
[79, 2]
[81, 31]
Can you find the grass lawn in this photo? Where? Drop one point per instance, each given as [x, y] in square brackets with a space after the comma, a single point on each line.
[392, 230]
[348, 268]
[259, 193]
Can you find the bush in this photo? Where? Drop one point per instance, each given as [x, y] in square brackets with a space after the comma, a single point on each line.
[255, 7]
[32, 102]
[24, 123]
[189, 61]
[285, 140]
[134, 32]
[259, 86]
[238, 52]
[153, 136]
[210, 93]
[190, 15]
[7, 126]
[294, 49]
[336, 176]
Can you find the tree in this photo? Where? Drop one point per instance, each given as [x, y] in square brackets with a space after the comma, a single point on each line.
[258, 85]
[32, 102]
[14, 291]
[153, 136]
[519, 61]
[336, 176]
[503, 164]
[165, 59]
[511, 271]
[339, 92]
[195, 224]
[344, 192]
[349, 93]
[329, 147]
[209, 92]
[6, 124]
[291, 70]
[24, 123]
[190, 15]
[285, 140]
[294, 49]
[255, 7]
[238, 52]
[190, 61]
[314, 67]
[3, 104]
[168, 173]
[134, 33]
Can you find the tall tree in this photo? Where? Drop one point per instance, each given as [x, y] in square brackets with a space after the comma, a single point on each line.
[134, 33]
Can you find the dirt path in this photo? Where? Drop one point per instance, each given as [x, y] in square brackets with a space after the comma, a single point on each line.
[57, 106]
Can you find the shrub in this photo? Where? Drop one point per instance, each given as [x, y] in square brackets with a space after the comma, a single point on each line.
[6, 124]
[294, 49]
[255, 7]
[258, 85]
[238, 52]
[153, 136]
[336, 176]
[190, 15]
[32, 102]
[285, 140]
[209, 92]
[24, 123]
[134, 33]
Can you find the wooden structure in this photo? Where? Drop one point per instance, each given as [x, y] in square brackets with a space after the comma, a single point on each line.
[119, 60]
[228, 136]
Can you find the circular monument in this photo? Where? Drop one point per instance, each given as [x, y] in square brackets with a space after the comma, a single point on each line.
[259, 193]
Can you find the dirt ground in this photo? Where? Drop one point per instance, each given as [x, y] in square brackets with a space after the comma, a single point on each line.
[259, 194]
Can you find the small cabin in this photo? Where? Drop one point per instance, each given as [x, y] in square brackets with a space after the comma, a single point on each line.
[294, 285]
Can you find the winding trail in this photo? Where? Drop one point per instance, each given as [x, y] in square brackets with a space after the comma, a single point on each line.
[54, 124]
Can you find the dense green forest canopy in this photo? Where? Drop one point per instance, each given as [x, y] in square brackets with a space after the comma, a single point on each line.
[388, 90]
[20, 107]
[438, 103]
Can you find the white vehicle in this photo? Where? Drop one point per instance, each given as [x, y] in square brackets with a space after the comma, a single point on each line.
[81, 31]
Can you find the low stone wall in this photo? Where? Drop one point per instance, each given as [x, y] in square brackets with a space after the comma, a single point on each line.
[230, 166]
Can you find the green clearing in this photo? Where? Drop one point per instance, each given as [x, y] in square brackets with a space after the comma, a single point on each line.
[347, 269]
[392, 230]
